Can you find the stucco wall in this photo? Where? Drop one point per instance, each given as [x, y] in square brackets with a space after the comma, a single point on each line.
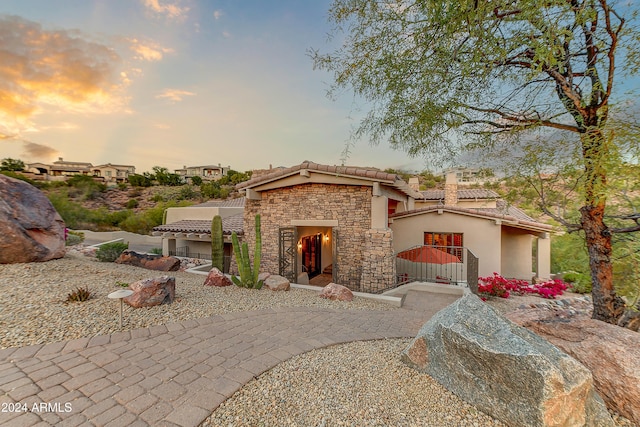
[349, 205]
[200, 213]
[481, 236]
[516, 253]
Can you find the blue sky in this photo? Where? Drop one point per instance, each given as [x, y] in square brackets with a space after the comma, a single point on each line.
[173, 83]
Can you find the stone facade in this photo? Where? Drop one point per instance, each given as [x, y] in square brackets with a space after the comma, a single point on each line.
[379, 271]
[363, 256]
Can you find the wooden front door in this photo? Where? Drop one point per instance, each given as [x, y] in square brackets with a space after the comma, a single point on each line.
[312, 254]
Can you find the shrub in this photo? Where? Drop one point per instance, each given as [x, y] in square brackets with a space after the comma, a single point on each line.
[74, 238]
[498, 286]
[132, 203]
[79, 295]
[109, 252]
[156, 251]
[196, 180]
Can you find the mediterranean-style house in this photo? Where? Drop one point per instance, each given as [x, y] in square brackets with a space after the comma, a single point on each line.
[186, 231]
[370, 231]
[207, 173]
[61, 169]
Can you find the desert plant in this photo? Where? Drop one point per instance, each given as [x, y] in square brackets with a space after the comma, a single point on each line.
[132, 203]
[79, 295]
[217, 244]
[122, 284]
[74, 238]
[248, 276]
[196, 180]
[156, 251]
[109, 252]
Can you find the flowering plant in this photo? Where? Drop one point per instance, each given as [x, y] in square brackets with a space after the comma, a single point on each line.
[498, 286]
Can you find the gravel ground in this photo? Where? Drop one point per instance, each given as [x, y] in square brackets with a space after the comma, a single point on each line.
[355, 384]
[33, 308]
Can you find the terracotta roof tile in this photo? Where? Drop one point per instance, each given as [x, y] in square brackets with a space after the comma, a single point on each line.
[502, 211]
[229, 225]
[463, 194]
[226, 203]
[353, 171]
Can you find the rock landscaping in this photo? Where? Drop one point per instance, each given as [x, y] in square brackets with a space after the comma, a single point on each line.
[504, 369]
[31, 229]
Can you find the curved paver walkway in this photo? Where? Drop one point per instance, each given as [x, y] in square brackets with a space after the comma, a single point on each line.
[177, 374]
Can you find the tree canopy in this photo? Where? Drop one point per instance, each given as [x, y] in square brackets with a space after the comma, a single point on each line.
[440, 76]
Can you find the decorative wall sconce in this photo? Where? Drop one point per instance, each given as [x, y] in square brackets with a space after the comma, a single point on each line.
[299, 245]
[326, 238]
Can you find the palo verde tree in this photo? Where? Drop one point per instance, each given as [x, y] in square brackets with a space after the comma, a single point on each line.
[439, 71]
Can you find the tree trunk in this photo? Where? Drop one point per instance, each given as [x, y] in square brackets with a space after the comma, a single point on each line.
[607, 306]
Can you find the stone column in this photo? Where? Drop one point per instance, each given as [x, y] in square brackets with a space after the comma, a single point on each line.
[378, 262]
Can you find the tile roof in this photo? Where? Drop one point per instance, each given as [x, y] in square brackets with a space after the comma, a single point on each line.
[351, 171]
[502, 211]
[463, 194]
[219, 203]
[229, 225]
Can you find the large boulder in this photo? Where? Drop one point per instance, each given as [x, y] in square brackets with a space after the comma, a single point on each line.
[217, 278]
[505, 370]
[152, 292]
[611, 353]
[277, 283]
[31, 228]
[336, 292]
[149, 261]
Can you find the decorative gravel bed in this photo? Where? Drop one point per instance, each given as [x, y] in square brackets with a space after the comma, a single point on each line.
[355, 384]
[33, 308]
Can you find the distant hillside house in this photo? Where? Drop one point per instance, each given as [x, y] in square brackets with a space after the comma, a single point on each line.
[61, 169]
[209, 172]
[470, 176]
[113, 173]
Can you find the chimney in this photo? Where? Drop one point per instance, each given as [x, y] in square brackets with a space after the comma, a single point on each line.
[451, 189]
[414, 183]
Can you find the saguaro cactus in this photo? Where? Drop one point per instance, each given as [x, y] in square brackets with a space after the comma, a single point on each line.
[248, 275]
[217, 244]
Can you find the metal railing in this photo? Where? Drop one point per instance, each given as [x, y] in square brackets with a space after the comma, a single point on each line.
[455, 265]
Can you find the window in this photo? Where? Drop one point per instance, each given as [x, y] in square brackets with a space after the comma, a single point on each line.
[448, 242]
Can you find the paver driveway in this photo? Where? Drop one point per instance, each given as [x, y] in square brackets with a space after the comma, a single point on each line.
[177, 374]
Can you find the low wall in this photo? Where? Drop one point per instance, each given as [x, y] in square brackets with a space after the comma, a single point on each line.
[131, 238]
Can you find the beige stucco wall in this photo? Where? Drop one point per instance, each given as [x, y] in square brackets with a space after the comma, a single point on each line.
[481, 236]
[200, 213]
[516, 253]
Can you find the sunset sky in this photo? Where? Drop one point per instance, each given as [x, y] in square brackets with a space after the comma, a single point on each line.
[173, 83]
[176, 82]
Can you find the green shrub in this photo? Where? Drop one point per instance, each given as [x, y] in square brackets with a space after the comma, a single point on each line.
[132, 203]
[73, 239]
[109, 252]
[196, 180]
[580, 283]
[156, 251]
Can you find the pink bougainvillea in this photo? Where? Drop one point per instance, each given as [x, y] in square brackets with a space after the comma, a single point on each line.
[498, 286]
